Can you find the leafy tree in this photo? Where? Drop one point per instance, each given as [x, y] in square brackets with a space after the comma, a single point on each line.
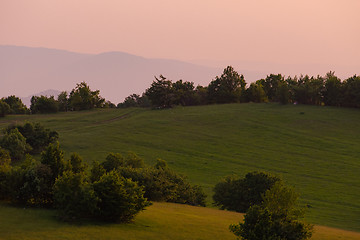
[236, 194]
[135, 100]
[130, 101]
[113, 161]
[134, 161]
[201, 95]
[277, 217]
[120, 199]
[4, 108]
[53, 157]
[162, 184]
[109, 104]
[309, 90]
[15, 143]
[256, 93]
[36, 186]
[44, 104]
[63, 101]
[15, 104]
[184, 93]
[77, 164]
[283, 93]
[352, 92]
[96, 171]
[82, 98]
[271, 86]
[36, 135]
[5, 169]
[228, 88]
[161, 164]
[333, 90]
[160, 93]
[74, 196]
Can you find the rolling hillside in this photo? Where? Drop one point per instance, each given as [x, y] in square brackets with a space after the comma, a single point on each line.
[159, 222]
[315, 149]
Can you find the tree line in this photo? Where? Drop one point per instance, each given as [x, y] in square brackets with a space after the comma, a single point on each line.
[231, 87]
[80, 98]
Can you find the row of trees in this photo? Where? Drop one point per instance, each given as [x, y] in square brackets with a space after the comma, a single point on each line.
[31, 138]
[271, 208]
[230, 87]
[80, 98]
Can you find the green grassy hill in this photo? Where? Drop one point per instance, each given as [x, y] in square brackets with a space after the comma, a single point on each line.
[316, 149]
[159, 222]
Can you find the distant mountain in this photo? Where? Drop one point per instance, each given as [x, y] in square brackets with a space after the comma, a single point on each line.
[48, 93]
[25, 71]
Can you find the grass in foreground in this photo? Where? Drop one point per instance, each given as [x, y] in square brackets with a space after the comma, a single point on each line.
[315, 149]
[160, 221]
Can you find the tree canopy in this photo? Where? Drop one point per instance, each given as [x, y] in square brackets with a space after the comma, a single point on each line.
[276, 217]
[82, 98]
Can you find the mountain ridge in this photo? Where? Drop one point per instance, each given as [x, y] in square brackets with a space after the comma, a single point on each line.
[26, 70]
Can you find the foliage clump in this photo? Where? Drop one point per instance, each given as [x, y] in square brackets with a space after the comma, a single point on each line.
[276, 217]
[238, 194]
[36, 135]
[160, 183]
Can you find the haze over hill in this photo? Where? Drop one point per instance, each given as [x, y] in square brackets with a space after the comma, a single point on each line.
[25, 71]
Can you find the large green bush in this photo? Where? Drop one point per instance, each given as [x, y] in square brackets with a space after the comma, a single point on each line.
[5, 169]
[15, 143]
[277, 217]
[74, 197]
[36, 135]
[163, 184]
[238, 194]
[120, 199]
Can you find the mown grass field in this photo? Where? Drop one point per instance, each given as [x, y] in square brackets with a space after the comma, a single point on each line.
[160, 221]
[315, 149]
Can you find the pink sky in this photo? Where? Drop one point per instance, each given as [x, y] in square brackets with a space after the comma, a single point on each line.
[273, 31]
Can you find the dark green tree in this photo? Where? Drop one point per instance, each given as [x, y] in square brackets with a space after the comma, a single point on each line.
[333, 92]
[134, 161]
[96, 171]
[36, 135]
[16, 105]
[43, 104]
[37, 185]
[277, 217]
[161, 93]
[238, 194]
[227, 88]
[82, 98]
[184, 93]
[271, 86]
[351, 88]
[256, 93]
[63, 101]
[77, 164]
[5, 169]
[15, 143]
[4, 108]
[120, 199]
[74, 196]
[53, 157]
[113, 161]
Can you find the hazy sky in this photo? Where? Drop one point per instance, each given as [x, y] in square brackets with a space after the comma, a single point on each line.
[274, 31]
